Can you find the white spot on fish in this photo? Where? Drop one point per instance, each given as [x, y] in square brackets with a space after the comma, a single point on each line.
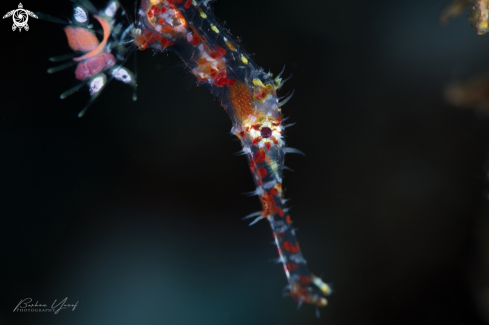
[121, 74]
[111, 9]
[80, 15]
[96, 85]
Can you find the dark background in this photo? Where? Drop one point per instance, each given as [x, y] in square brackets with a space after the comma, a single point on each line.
[134, 210]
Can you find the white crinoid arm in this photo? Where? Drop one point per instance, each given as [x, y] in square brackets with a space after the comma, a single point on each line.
[8, 14]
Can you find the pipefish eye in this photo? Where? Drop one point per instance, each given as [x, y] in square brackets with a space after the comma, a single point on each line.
[266, 132]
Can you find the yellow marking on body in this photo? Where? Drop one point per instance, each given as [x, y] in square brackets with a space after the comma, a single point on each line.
[229, 44]
[274, 166]
[194, 3]
[214, 28]
[321, 285]
[257, 82]
[202, 13]
[244, 59]
[261, 91]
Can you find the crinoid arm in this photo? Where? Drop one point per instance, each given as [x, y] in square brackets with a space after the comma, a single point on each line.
[97, 62]
[52, 19]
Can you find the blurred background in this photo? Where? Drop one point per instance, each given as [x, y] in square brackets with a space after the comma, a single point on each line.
[135, 209]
